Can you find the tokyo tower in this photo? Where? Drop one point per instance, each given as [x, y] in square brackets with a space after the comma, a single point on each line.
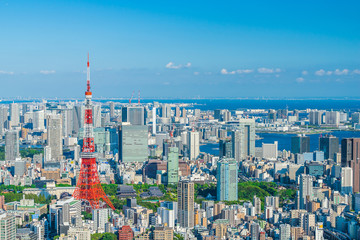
[88, 187]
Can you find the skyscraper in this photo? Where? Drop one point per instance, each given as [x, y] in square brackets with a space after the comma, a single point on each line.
[78, 118]
[185, 194]
[14, 114]
[305, 189]
[11, 145]
[3, 118]
[346, 180]
[133, 143]
[193, 143]
[350, 157]
[166, 111]
[300, 144]
[243, 139]
[173, 165]
[55, 136]
[227, 180]
[135, 115]
[38, 120]
[225, 148]
[100, 218]
[329, 145]
[112, 109]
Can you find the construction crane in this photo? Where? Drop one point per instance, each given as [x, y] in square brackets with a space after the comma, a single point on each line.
[132, 95]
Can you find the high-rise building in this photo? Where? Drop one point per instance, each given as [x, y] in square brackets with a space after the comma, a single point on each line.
[346, 180]
[285, 232]
[194, 145]
[166, 111]
[135, 115]
[100, 218]
[315, 117]
[305, 189]
[332, 118]
[112, 109]
[3, 119]
[54, 136]
[38, 120]
[78, 118]
[300, 144]
[14, 114]
[243, 139]
[173, 165]
[227, 180]
[329, 145]
[185, 194]
[7, 226]
[225, 148]
[96, 115]
[255, 231]
[133, 143]
[257, 205]
[270, 150]
[350, 157]
[11, 145]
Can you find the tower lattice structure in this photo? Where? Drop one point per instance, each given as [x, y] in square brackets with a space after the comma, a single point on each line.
[88, 187]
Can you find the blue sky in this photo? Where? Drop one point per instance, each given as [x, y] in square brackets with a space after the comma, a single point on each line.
[180, 48]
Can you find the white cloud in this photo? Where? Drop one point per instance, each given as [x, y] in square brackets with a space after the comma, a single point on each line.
[320, 72]
[171, 65]
[300, 79]
[304, 72]
[239, 71]
[268, 70]
[47, 72]
[356, 71]
[341, 72]
[6, 72]
[196, 73]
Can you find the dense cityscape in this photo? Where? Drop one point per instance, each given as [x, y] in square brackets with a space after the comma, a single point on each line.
[110, 170]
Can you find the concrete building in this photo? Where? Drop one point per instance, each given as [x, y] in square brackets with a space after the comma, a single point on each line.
[347, 180]
[133, 143]
[54, 137]
[173, 165]
[329, 145]
[350, 156]
[185, 191]
[243, 139]
[227, 179]
[270, 150]
[300, 144]
[135, 115]
[7, 226]
[193, 145]
[12, 145]
[305, 189]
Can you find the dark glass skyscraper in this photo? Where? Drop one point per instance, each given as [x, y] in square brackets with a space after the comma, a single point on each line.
[329, 145]
[350, 157]
[300, 144]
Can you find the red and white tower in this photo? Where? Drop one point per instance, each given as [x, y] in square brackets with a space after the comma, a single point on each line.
[88, 187]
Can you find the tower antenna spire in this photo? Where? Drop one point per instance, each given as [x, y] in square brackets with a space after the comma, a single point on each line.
[88, 75]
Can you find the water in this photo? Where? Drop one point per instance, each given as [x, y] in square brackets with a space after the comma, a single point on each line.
[284, 141]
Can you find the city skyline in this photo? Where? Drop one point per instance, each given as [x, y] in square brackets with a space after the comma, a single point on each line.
[180, 50]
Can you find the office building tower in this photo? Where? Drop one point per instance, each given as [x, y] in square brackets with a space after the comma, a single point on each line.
[254, 231]
[285, 232]
[14, 114]
[185, 194]
[67, 118]
[257, 205]
[154, 120]
[305, 189]
[173, 165]
[54, 136]
[11, 145]
[177, 112]
[96, 115]
[307, 222]
[193, 145]
[346, 180]
[3, 119]
[243, 139]
[300, 144]
[112, 109]
[225, 148]
[355, 118]
[19, 168]
[332, 118]
[100, 218]
[38, 120]
[315, 117]
[227, 180]
[166, 111]
[329, 145]
[350, 157]
[78, 118]
[7, 226]
[135, 115]
[133, 143]
[272, 201]
[270, 150]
